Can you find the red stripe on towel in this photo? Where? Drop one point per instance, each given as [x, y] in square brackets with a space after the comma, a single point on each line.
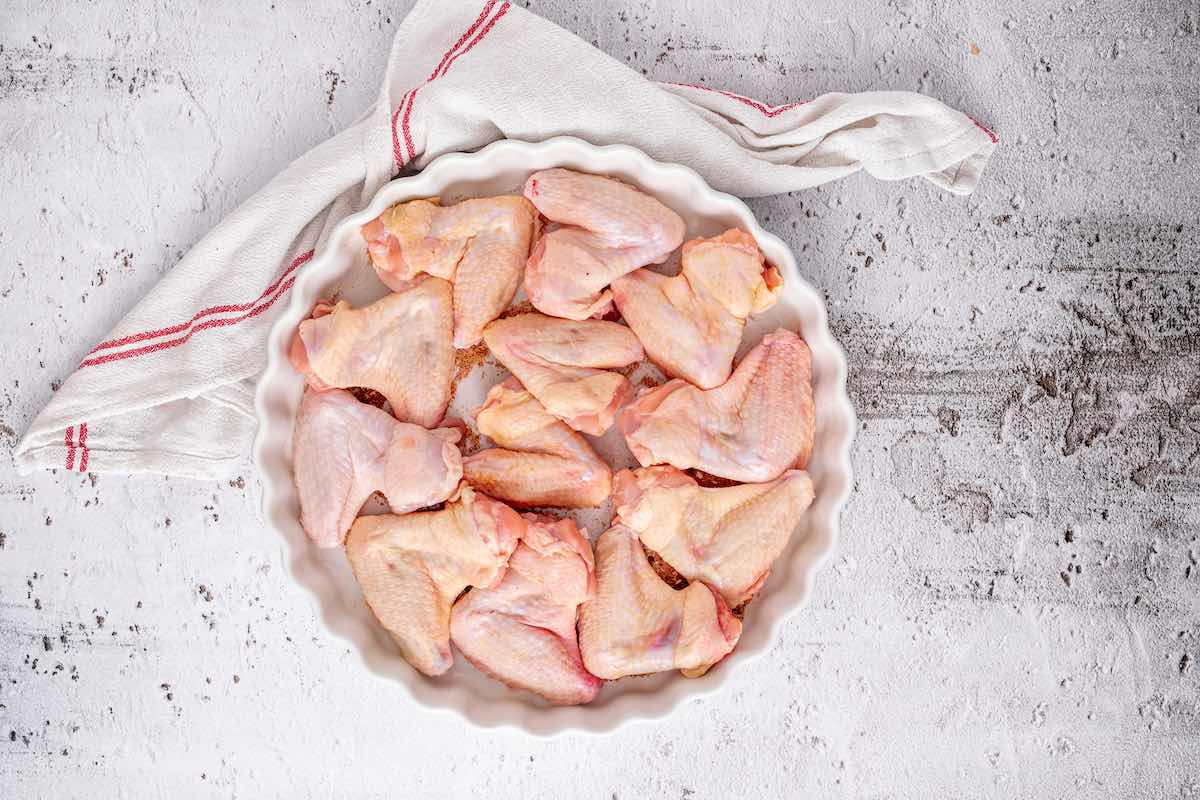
[397, 153]
[486, 28]
[774, 111]
[768, 110]
[83, 458]
[139, 337]
[221, 322]
[404, 110]
[261, 305]
[69, 441]
[487, 9]
[995, 139]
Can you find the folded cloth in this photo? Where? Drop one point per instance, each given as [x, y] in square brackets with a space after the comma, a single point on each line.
[171, 388]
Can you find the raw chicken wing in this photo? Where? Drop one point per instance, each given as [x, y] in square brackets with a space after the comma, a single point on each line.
[752, 428]
[636, 624]
[608, 229]
[539, 460]
[412, 567]
[399, 346]
[691, 324]
[522, 631]
[562, 363]
[727, 537]
[478, 245]
[343, 450]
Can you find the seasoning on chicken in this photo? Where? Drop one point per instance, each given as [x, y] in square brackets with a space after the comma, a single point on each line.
[562, 363]
[752, 428]
[399, 346]
[412, 567]
[691, 324]
[480, 246]
[522, 631]
[344, 450]
[636, 624]
[607, 229]
[539, 460]
[727, 537]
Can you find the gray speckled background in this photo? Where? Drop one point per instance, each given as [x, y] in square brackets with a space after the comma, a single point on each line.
[1015, 608]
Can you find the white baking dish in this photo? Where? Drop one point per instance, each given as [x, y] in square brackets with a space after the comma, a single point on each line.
[340, 266]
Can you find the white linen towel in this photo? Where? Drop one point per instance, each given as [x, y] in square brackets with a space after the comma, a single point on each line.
[170, 390]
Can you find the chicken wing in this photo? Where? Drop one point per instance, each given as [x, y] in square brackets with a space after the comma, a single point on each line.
[412, 567]
[608, 229]
[636, 624]
[399, 346]
[522, 631]
[478, 245]
[691, 324]
[562, 363]
[751, 428]
[539, 460]
[344, 450]
[727, 537]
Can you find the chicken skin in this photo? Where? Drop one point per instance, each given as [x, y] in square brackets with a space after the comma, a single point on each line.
[539, 460]
[726, 537]
[344, 450]
[399, 346]
[563, 364]
[691, 324]
[607, 229]
[412, 567]
[636, 624]
[522, 631]
[480, 246]
[752, 428]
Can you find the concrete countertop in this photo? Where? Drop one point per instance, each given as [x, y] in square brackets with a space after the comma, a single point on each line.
[1015, 607]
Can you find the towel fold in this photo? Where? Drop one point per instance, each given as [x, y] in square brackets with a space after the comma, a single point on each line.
[171, 389]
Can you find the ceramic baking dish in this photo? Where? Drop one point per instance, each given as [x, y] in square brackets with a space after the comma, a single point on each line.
[340, 267]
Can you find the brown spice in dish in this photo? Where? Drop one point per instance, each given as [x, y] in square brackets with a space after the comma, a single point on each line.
[677, 581]
[626, 370]
[554, 512]
[381, 498]
[523, 307]
[710, 481]
[368, 396]
[664, 570]
[470, 442]
[466, 360]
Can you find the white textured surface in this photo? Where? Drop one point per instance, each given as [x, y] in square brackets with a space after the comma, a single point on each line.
[1015, 611]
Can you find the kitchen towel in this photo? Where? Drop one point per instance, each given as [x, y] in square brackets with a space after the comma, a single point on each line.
[171, 389]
